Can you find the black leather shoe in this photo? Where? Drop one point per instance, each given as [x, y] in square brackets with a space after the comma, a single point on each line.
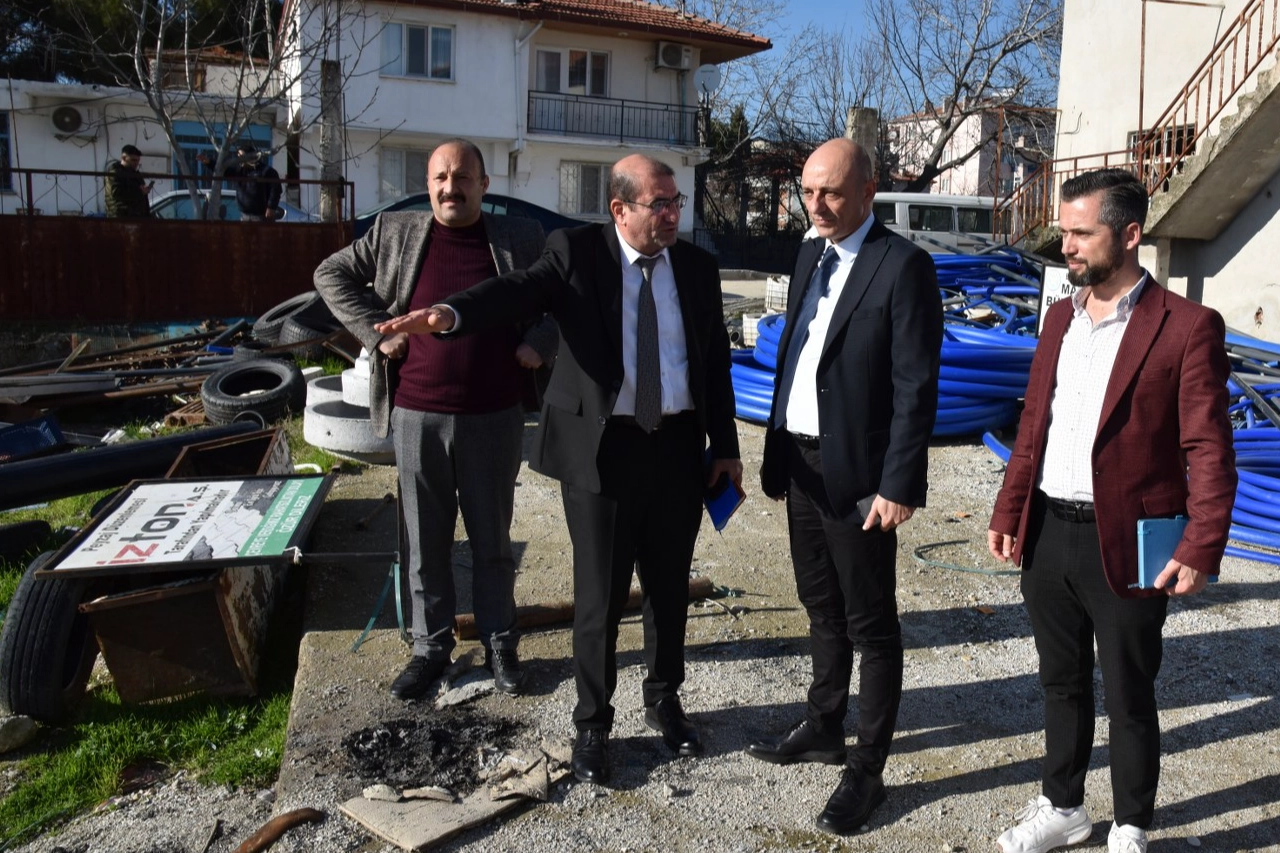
[852, 802]
[417, 677]
[591, 756]
[678, 732]
[802, 742]
[508, 677]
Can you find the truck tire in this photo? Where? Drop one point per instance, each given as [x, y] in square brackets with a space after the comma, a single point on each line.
[268, 387]
[20, 537]
[305, 336]
[267, 327]
[46, 647]
[249, 350]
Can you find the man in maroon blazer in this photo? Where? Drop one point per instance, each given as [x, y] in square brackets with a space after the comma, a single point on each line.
[1125, 418]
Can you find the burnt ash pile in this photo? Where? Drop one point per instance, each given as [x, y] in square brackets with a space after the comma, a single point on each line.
[449, 751]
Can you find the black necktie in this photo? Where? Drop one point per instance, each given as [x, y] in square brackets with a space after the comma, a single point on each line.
[817, 288]
[648, 364]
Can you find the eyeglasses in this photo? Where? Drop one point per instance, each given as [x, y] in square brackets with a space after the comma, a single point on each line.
[660, 205]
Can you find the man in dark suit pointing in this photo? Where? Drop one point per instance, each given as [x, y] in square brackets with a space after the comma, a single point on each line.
[640, 386]
[848, 442]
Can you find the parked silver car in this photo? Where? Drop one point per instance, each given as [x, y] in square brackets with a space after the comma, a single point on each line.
[177, 205]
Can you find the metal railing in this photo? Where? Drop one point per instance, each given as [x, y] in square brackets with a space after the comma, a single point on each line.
[626, 121]
[1163, 146]
[36, 192]
[1033, 205]
[1171, 138]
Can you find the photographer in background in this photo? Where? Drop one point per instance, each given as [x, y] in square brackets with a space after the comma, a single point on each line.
[259, 194]
[126, 191]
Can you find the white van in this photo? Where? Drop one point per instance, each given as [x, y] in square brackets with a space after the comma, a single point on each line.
[939, 223]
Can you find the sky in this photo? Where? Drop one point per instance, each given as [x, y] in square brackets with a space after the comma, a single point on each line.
[826, 13]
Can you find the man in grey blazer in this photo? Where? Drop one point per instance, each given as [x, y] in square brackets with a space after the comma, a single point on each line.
[453, 408]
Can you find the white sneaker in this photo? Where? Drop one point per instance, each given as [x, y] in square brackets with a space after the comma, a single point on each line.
[1043, 828]
[1126, 839]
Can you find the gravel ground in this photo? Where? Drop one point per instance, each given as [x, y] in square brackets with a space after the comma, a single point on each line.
[966, 756]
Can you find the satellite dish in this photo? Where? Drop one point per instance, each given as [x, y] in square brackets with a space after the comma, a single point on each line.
[67, 119]
[706, 79]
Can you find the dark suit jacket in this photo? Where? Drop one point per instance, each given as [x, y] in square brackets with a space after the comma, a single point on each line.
[1164, 440]
[579, 281]
[877, 377]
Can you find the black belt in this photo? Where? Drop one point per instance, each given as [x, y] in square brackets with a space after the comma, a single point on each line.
[1080, 512]
[665, 422]
[807, 441]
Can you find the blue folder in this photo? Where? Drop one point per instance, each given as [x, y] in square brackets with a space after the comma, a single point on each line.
[1158, 538]
[722, 501]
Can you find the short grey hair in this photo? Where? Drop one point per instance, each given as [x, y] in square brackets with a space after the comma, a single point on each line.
[622, 184]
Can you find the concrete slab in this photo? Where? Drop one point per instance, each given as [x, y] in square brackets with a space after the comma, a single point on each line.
[740, 288]
[422, 824]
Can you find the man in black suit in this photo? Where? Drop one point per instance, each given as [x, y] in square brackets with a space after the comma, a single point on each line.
[640, 386]
[847, 446]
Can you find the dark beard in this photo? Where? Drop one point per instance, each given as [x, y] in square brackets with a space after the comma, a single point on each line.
[1097, 273]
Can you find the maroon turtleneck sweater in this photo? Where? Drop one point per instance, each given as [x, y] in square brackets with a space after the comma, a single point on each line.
[472, 374]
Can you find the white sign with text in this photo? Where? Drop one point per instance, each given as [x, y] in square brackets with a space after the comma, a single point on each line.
[1054, 287]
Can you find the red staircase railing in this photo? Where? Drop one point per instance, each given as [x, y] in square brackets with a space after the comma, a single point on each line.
[1033, 204]
[1159, 153]
[1250, 38]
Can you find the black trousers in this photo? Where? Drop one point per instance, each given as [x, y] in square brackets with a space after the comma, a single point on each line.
[1070, 604]
[846, 580]
[645, 519]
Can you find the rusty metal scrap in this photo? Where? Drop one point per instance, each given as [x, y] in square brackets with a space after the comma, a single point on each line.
[191, 414]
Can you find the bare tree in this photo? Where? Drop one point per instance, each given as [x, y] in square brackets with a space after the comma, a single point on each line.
[949, 60]
[225, 65]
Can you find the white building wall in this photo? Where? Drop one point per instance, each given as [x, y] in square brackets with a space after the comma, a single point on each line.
[1236, 274]
[35, 143]
[487, 102]
[1098, 83]
[632, 74]
[1098, 96]
[542, 183]
[478, 101]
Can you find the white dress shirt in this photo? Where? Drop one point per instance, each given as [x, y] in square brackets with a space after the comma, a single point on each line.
[672, 354]
[802, 404]
[1084, 368]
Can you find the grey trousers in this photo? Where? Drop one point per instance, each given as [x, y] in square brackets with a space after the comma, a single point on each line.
[446, 462]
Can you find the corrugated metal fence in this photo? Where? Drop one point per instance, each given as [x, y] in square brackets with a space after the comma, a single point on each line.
[78, 269]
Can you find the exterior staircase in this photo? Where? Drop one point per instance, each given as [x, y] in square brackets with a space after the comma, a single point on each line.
[1199, 174]
[1227, 169]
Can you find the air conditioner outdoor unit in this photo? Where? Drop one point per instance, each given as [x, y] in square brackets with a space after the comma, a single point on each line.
[72, 121]
[674, 55]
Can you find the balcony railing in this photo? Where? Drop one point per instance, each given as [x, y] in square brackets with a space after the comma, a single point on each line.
[609, 118]
[1162, 147]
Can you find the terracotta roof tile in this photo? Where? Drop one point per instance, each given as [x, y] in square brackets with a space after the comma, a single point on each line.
[611, 14]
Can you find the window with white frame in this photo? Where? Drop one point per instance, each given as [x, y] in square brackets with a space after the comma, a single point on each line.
[417, 51]
[572, 71]
[6, 178]
[401, 172]
[584, 189]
